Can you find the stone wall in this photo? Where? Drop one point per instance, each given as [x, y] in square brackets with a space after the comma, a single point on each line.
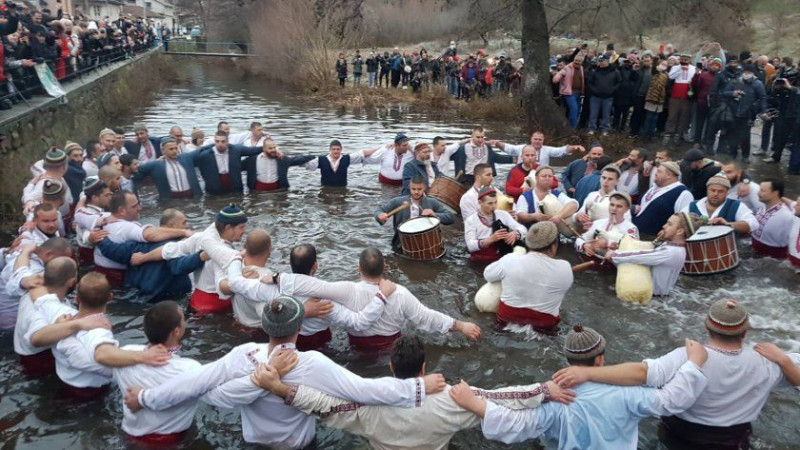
[102, 99]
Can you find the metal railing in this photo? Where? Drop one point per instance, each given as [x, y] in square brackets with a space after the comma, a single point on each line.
[203, 48]
[23, 83]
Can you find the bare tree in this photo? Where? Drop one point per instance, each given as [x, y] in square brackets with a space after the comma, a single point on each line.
[540, 109]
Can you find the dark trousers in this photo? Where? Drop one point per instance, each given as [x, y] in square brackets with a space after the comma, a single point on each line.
[794, 161]
[585, 108]
[766, 132]
[637, 118]
[384, 75]
[710, 135]
[783, 131]
[620, 116]
[700, 121]
[734, 134]
[395, 78]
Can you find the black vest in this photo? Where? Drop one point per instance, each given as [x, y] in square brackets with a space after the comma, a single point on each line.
[331, 178]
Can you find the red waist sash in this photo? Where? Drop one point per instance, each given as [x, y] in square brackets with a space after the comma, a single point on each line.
[85, 393]
[159, 439]
[389, 181]
[38, 365]
[205, 303]
[485, 255]
[115, 277]
[766, 250]
[225, 181]
[182, 194]
[541, 322]
[373, 342]
[313, 341]
[266, 186]
[795, 260]
[86, 256]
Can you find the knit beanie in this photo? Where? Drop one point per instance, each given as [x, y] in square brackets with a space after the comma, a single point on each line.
[727, 317]
[71, 145]
[673, 167]
[595, 144]
[105, 131]
[716, 61]
[584, 343]
[282, 317]
[400, 137]
[720, 179]
[55, 158]
[52, 187]
[486, 190]
[104, 159]
[92, 185]
[541, 235]
[231, 215]
[168, 139]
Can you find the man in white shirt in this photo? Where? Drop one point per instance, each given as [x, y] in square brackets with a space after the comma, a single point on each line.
[530, 206]
[476, 151]
[720, 209]
[739, 381]
[392, 159]
[774, 222]
[94, 150]
[164, 325]
[742, 188]
[272, 168]
[664, 198]
[430, 426]
[632, 167]
[90, 216]
[333, 166]
[23, 271]
[595, 206]
[666, 259]
[468, 205]
[491, 233]
[253, 138]
[144, 148]
[608, 232]
[33, 335]
[45, 225]
[603, 416]
[108, 139]
[266, 419]
[55, 166]
[402, 308]
[176, 133]
[529, 300]
[122, 226]
[442, 152]
[319, 315]
[543, 152]
[84, 361]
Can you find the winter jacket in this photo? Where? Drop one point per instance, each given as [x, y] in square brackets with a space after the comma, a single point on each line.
[564, 79]
[643, 81]
[372, 65]
[341, 68]
[701, 84]
[604, 82]
[786, 102]
[358, 64]
[721, 81]
[754, 100]
[657, 92]
[627, 89]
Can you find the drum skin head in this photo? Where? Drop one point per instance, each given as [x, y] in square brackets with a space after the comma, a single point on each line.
[709, 232]
[418, 224]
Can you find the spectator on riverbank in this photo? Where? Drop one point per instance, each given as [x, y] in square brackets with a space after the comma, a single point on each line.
[341, 69]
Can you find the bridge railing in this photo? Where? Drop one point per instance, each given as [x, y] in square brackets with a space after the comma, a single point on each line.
[207, 48]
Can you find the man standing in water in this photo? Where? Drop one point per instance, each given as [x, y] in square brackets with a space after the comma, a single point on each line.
[420, 167]
[333, 167]
[740, 380]
[603, 416]
[221, 165]
[392, 159]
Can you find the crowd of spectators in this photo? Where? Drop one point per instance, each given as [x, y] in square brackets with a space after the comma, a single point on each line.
[70, 46]
[708, 97]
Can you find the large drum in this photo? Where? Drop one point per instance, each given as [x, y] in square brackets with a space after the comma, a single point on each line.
[421, 238]
[448, 191]
[712, 249]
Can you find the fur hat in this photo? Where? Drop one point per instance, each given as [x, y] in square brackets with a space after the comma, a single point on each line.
[673, 167]
[720, 179]
[541, 235]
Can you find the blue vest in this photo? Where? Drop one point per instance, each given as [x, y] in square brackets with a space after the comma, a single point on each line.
[658, 212]
[727, 212]
[331, 178]
[529, 198]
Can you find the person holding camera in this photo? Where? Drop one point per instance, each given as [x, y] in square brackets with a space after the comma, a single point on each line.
[783, 103]
[746, 98]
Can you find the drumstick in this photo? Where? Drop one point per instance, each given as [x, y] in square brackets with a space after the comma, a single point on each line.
[582, 266]
[458, 175]
[398, 209]
[571, 228]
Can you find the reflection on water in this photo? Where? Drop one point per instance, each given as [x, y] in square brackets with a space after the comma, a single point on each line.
[339, 223]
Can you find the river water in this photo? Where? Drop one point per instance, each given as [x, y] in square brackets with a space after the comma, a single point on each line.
[33, 414]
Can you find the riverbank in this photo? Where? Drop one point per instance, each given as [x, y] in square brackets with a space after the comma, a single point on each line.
[93, 102]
